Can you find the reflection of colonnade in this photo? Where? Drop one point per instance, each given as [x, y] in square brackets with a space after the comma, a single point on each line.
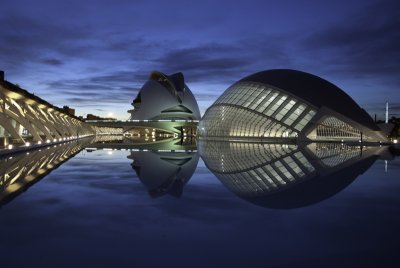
[18, 172]
[25, 117]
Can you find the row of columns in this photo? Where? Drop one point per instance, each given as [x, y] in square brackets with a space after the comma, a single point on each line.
[42, 123]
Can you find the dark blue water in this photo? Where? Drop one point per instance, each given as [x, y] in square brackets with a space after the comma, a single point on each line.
[93, 211]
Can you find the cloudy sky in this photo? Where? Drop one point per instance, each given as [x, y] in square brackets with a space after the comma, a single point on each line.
[94, 55]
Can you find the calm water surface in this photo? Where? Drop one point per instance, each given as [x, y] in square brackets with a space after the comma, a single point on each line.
[94, 211]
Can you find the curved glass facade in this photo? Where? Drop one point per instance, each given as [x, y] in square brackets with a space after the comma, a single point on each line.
[287, 104]
[249, 109]
[333, 128]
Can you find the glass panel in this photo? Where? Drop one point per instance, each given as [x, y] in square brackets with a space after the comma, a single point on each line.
[260, 98]
[284, 110]
[305, 120]
[264, 105]
[270, 110]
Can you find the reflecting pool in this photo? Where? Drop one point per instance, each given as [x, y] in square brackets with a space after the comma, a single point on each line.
[108, 203]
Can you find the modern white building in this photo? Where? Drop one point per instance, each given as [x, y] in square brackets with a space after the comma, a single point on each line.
[290, 104]
[165, 97]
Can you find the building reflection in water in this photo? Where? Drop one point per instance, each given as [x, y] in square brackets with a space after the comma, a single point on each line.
[164, 166]
[270, 175]
[19, 171]
[164, 172]
[286, 176]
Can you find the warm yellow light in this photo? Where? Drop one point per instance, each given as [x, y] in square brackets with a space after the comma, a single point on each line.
[27, 144]
[10, 146]
[395, 141]
[39, 142]
[47, 141]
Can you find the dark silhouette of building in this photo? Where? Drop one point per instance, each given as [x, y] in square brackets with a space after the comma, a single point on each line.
[95, 117]
[68, 110]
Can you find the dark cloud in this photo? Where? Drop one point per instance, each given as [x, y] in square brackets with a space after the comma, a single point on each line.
[222, 63]
[365, 45]
[209, 62]
[76, 53]
[51, 61]
[120, 77]
[28, 40]
[110, 88]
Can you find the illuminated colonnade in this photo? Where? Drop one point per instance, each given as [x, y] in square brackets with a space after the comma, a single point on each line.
[25, 117]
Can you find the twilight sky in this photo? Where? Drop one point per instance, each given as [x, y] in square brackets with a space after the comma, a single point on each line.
[94, 55]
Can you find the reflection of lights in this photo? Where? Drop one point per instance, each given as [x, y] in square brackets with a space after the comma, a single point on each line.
[10, 146]
[109, 152]
[27, 144]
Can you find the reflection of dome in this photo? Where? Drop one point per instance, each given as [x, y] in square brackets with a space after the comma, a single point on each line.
[287, 104]
[165, 97]
[163, 173]
[285, 176]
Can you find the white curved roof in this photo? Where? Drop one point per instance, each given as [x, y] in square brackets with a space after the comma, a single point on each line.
[165, 97]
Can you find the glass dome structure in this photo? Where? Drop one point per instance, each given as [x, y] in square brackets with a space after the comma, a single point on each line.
[283, 104]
